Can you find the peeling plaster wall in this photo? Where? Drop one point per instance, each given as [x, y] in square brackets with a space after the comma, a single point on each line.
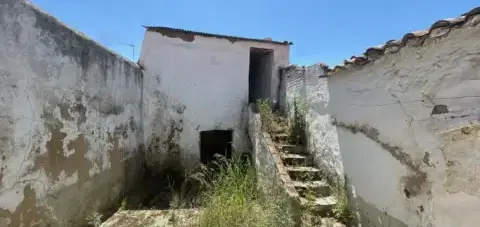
[203, 82]
[404, 129]
[70, 114]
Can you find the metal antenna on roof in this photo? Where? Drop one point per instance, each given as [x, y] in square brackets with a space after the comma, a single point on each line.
[133, 49]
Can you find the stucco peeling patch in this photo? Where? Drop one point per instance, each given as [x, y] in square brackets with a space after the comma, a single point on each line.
[462, 157]
[54, 161]
[27, 213]
[181, 35]
[415, 183]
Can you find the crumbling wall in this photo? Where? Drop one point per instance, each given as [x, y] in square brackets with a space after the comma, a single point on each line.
[401, 123]
[70, 121]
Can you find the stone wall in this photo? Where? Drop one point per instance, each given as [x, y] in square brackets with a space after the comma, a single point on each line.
[402, 125]
[70, 121]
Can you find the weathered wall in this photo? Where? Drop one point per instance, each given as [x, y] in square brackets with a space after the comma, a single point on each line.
[208, 76]
[70, 114]
[404, 127]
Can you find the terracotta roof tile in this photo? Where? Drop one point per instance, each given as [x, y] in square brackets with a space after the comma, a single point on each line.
[416, 38]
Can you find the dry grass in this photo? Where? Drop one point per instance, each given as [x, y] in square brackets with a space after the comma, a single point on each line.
[231, 199]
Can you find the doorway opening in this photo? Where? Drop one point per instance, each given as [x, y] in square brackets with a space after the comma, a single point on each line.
[260, 74]
[215, 142]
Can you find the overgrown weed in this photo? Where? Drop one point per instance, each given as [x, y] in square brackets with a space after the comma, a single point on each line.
[274, 123]
[231, 199]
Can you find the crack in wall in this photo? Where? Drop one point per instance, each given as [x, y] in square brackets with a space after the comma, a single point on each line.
[415, 183]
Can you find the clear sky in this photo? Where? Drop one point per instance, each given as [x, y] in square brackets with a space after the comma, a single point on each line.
[322, 30]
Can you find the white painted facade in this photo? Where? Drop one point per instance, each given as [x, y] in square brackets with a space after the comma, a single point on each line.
[374, 124]
[209, 77]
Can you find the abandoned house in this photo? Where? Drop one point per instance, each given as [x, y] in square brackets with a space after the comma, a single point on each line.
[79, 124]
[214, 77]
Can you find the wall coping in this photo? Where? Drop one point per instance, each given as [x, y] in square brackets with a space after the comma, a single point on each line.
[56, 22]
[439, 29]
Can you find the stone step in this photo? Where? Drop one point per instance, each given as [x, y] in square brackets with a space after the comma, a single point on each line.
[318, 188]
[153, 218]
[279, 135]
[291, 149]
[321, 205]
[331, 222]
[303, 173]
[294, 159]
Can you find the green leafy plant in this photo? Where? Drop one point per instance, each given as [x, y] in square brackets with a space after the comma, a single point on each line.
[342, 210]
[95, 219]
[297, 122]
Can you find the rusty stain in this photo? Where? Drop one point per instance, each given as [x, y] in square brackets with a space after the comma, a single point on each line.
[54, 161]
[178, 34]
[26, 213]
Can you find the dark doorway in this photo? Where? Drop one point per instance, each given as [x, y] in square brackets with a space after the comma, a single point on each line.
[215, 142]
[260, 74]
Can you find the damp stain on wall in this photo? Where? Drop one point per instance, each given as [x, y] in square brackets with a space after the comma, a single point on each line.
[55, 161]
[27, 213]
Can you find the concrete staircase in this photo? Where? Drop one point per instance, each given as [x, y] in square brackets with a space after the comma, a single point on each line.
[314, 191]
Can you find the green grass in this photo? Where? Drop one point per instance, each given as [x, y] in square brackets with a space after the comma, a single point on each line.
[231, 199]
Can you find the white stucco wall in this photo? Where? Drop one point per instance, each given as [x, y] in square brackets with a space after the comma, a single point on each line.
[70, 115]
[208, 78]
[374, 124]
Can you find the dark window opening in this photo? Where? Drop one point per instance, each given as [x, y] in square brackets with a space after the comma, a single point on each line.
[215, 142]
[260, 74]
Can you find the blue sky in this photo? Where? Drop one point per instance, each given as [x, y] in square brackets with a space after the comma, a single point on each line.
[322, 30]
